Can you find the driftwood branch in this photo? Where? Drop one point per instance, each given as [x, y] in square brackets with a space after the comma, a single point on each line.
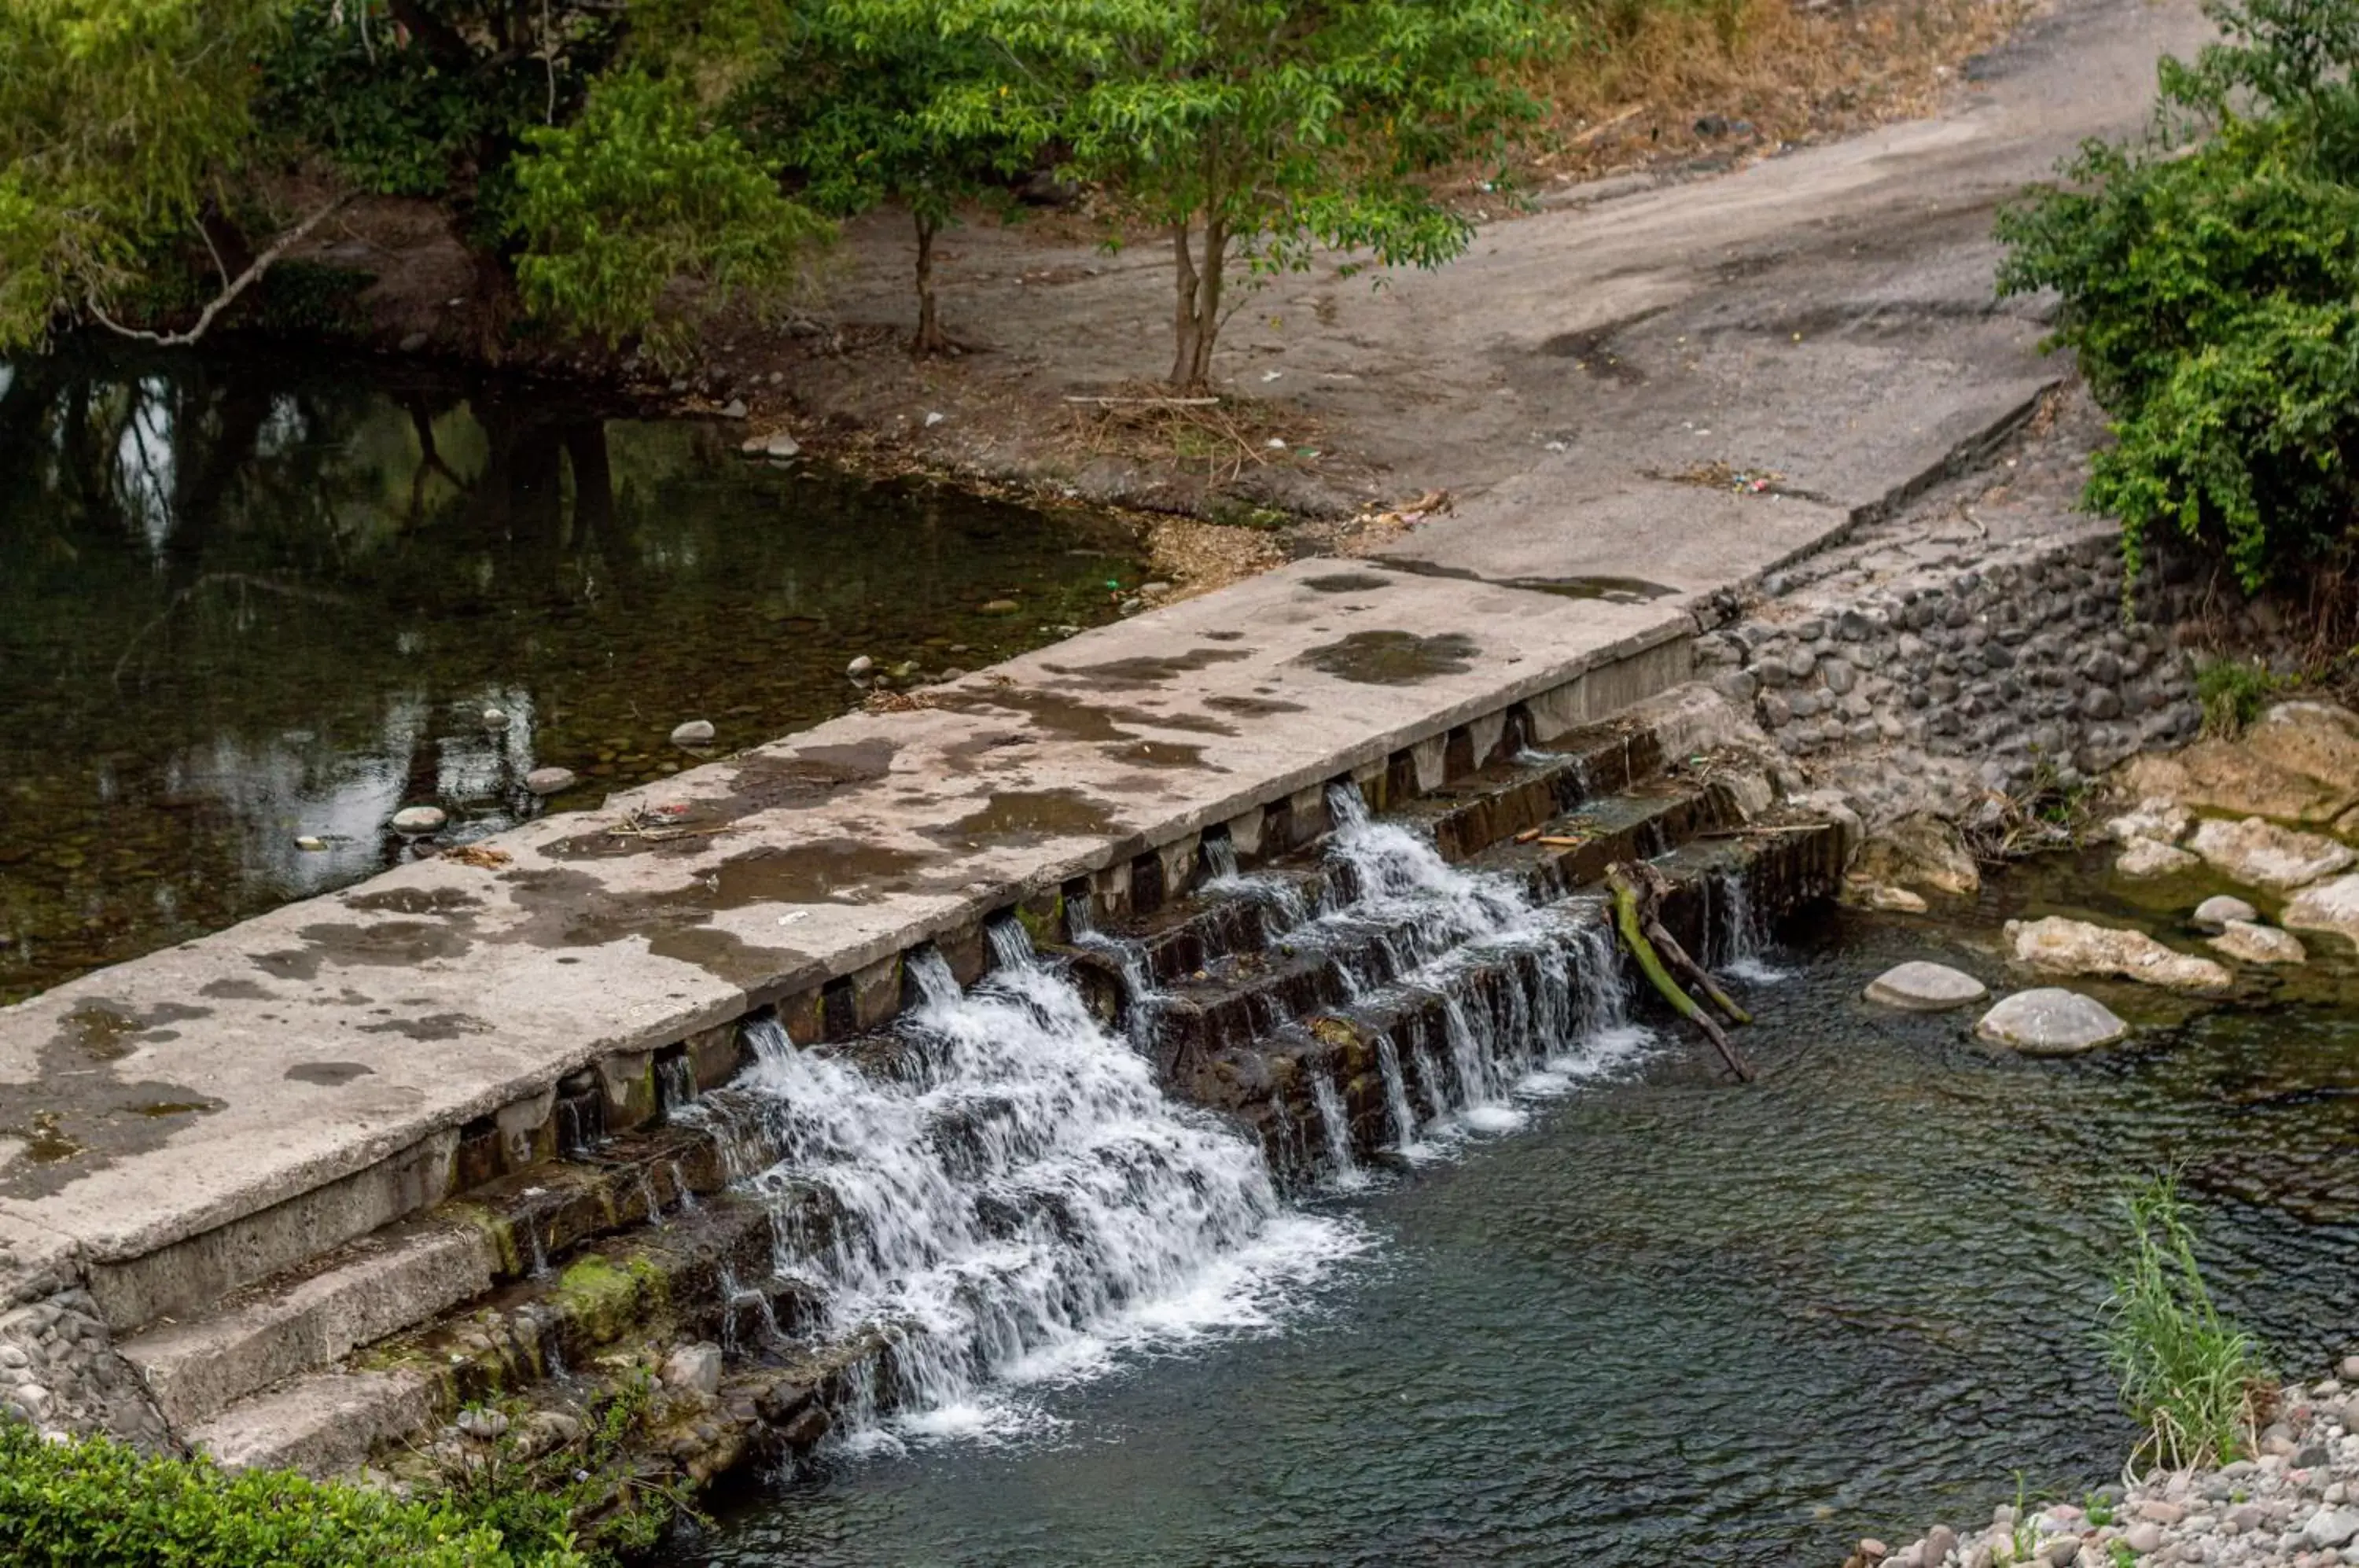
[229, 295]
[1635, 900]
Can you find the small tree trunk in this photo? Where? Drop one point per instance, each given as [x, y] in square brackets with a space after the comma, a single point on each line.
[931, 339]
[1208, 303]
[1185, 322]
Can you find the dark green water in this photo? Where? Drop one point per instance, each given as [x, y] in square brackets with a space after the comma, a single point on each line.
[1677, 1322]
[244, 604]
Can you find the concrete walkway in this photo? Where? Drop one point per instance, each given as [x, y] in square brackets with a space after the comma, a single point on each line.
[179, 1126]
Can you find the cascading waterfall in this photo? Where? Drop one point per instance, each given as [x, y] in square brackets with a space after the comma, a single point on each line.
[1000, 1193]
[1396, 1097]
[1282, 903]
[1343, 1170]
[1018, 1199]
[1742, 939]
[1141, 998]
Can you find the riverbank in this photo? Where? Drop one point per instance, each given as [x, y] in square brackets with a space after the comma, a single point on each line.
[2295, 1504]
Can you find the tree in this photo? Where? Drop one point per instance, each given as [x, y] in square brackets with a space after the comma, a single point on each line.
[635, 195]
[157, 157]
[571, 140]
[847, 104]
[2210, 288]
[1252, 130]
[126, 129]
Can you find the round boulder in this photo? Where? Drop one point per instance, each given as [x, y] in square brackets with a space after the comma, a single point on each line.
[1918, 987]
[2051, 1022]
[419, 820]
[2220, 912]
[550, 780]
[696, 732]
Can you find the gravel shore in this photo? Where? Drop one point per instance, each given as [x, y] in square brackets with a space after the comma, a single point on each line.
[2295, 1504]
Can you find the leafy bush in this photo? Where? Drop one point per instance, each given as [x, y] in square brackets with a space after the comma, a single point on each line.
[97, 1504]
[2189, 1377]
[2211, 289]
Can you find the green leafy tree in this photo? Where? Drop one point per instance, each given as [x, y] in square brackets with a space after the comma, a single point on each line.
[2210, 281]
[126, 134]
[638, 194]
[847, 104]
[572, 140]
[1251, 130]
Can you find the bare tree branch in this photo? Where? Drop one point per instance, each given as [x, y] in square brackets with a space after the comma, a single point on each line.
[229, 295]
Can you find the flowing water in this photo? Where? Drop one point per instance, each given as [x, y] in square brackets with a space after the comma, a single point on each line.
[1666, 1319]
[243, 604]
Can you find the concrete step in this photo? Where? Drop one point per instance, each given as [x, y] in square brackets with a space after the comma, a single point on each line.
[410, 1273]
[383, 1284]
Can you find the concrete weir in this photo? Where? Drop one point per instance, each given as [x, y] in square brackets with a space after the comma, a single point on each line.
[202, 1118]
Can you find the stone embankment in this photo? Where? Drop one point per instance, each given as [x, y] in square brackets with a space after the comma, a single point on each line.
[2294, 1504]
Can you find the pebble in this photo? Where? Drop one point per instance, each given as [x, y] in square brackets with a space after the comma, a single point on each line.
[309, 842]
[419, 820]
[494, 720]
[860, 667]
[550, 780]
[1005, 606]
[695, 732]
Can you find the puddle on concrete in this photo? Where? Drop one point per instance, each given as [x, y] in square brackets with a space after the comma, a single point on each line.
[413, 901]
[386, 943]
[1346, 582]
[327, 1073]
[1149, 670]
[238, 990]
[1160, 754]
[1392, 659]
[1614, 590]
[1025, 815]
[105, 1033]
[842, 870]
[433, 1026]
[1074, 718]
[1252, 707]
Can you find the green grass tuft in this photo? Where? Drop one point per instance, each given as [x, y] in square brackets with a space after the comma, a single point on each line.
[2189, 1377]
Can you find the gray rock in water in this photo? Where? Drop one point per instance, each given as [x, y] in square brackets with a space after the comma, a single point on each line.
[1918, 987]
[550, 780]
[860, 667]
[696, 732]
[2051, 1022]
[2219, 911]
[419, 820]
[694, 1367]
[494, 720]
[777, 446]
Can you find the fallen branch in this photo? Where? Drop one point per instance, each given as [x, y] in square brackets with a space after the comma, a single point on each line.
[1633, 922]
[1146, 402]
[228, 294]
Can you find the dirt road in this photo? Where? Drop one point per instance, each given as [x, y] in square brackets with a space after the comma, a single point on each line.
[1821, 321]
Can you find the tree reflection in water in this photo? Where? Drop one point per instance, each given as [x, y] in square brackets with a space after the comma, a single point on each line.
[241, 605]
